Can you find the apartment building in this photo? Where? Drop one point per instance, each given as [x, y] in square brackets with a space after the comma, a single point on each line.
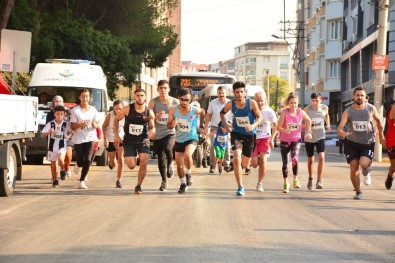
[323, 45]
[254, 61]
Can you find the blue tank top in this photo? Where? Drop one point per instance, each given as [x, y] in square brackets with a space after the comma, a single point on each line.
[242, 117]
[186, 127]
[221, 139]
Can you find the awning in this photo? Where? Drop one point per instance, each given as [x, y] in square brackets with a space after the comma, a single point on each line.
[4, 87]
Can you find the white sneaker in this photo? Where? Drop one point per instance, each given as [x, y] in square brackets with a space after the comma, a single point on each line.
[259, 187]
[76, 169]
[82, 185]
[367, 180]
[68, 173]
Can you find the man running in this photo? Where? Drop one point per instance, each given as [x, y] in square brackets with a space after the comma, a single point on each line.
[264, 138]
[213, 118]
[360, 137]
[164, 137]
[319, 116]
[246, 117]
[139, 128]
[185, 118]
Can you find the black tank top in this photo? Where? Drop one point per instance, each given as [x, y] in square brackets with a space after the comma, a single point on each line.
[136, 125]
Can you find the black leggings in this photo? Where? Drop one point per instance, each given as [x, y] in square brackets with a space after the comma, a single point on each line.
[294, 148]
[164, 150]
[84, 152]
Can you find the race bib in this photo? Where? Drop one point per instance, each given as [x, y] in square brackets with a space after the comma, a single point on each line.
[183, 125]
[163, 119]
[263, 128]
[135, 129]
[242, 121]
[293, 126]
[317, 124]
[222, 139]
[360, 125]
[57, 135]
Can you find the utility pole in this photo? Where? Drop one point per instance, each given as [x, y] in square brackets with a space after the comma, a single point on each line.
[380, 74]
[301, 57]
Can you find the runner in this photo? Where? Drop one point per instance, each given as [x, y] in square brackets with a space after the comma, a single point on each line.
[164, 137]
[319, 116]
[84, 121]
[360, 137]
[264, 138]
[56, 131]
[246, 117]
[185, 118]
[390, 144]
[290, 129]
[213, 118]
[139, 129]
[108, 137]
[58, 101]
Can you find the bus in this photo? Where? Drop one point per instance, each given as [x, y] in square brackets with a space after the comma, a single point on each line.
[197, 81]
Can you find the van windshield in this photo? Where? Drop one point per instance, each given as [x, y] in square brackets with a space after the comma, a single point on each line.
[69, 95]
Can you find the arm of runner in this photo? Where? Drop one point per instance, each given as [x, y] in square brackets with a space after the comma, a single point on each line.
[380, 126]
[258, 115]
[274, 134]
[171, 121]
[340, 128]
[227, 107]
[151, 124]
[124, 112]
[280, 123]
[46, 130]
[104, 129]
[307, 125]
[327, 120]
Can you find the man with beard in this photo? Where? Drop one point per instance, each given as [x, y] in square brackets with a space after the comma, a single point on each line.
[184, 118]
[246, 117]
[213, 117]
[360, 137]
[139, 129]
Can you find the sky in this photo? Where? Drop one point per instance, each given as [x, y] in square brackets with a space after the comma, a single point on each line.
[211, 29]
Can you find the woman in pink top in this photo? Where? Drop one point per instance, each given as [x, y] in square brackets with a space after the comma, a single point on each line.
[290, 127]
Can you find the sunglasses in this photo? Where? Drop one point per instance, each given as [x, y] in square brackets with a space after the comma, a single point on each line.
[185, 100]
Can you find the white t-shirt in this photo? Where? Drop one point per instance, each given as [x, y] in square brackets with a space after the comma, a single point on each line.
[264, 129]
[110, 126]
[87, 134]
[214, 108]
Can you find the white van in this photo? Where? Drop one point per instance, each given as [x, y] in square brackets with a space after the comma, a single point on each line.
[66, 77]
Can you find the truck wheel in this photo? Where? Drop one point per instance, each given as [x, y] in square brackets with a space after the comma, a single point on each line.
[8, 177]
[102, 159]
[198, 154]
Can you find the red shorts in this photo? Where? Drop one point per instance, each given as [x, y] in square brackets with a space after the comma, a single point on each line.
[262, 146]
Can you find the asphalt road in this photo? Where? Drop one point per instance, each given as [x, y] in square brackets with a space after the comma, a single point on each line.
[207, 224]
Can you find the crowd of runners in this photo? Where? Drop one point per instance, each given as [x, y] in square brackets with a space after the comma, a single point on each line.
[245, 127]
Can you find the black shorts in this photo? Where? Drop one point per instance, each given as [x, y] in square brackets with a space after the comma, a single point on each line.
[319, 145]
[244, 142]
[355, 150]
[132, 149]
[111, 147]
[180, 146]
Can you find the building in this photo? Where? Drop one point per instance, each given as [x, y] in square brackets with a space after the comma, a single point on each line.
[323, 45]
[254, 61]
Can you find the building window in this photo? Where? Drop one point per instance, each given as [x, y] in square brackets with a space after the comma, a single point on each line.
[334, 27]
[334, 69]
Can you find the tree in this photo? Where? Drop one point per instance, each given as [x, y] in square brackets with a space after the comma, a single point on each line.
[118, 35]
[282, 88]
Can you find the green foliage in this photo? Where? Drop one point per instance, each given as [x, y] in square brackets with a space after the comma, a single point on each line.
[118, 35]
[22, 81]
[283, 90]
